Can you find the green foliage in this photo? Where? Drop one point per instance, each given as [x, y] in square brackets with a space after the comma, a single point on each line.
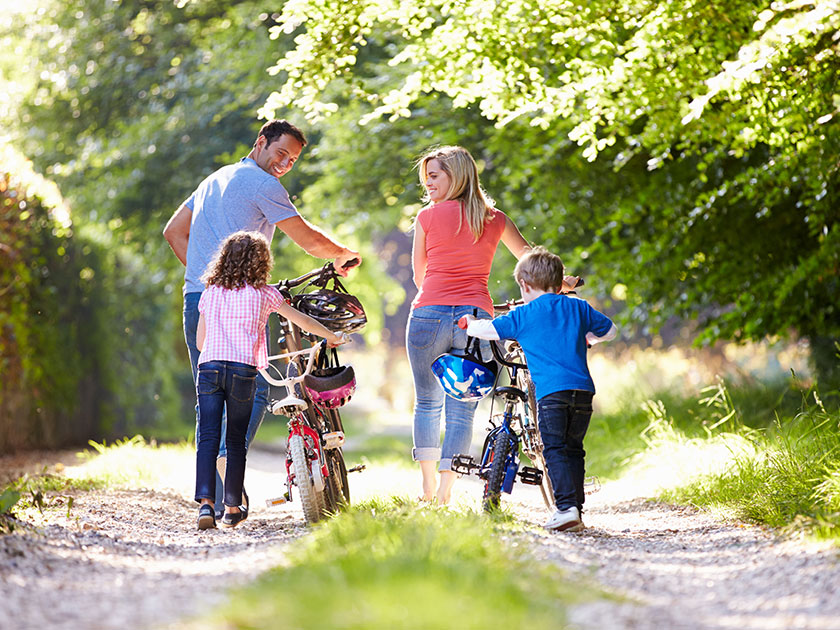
[80, 320]
[714, 190]
[383, 563]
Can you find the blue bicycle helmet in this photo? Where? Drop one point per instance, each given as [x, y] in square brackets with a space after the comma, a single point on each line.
[463, 375]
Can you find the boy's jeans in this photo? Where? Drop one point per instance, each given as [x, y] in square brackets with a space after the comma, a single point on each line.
[433, 331]
[260, 397]
[223, 386]
[563, 420]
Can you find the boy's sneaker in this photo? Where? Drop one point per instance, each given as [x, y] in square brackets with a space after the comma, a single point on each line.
[206, 517]
[567, 520]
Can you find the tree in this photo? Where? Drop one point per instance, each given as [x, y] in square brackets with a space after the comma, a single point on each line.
[705, 183]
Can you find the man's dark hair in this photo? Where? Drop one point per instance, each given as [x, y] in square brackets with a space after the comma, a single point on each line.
[273, 129]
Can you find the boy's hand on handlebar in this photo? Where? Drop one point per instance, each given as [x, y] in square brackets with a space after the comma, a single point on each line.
[346, 261]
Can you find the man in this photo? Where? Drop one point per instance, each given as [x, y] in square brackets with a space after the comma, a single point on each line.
[244, 196]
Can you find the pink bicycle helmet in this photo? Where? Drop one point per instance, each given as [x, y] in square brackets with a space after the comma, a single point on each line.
[331, 385]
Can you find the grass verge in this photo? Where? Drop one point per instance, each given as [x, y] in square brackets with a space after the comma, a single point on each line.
[390, 564]
[769, 454]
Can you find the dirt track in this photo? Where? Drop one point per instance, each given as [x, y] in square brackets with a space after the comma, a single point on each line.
[131, 558]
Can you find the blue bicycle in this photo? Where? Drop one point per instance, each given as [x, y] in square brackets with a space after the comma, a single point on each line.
[515, 429]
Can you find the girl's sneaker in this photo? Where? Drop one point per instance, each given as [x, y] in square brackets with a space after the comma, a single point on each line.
[567, 520]
[232, 519]
[206, 517]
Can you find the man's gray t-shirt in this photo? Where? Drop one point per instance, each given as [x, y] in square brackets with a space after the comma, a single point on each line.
[237, 197]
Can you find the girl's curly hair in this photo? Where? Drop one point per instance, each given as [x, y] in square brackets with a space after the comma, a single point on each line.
[244, 258]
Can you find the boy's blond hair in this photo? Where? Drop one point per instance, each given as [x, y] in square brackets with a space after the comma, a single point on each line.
[540, 269]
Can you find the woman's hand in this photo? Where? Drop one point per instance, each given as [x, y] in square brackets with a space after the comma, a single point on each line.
[570, 283]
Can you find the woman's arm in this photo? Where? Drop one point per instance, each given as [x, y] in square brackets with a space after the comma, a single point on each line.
[514, 240]
[418, 255]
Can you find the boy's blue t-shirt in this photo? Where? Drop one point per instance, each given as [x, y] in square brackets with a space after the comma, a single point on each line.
[239, 196]
[552, 332]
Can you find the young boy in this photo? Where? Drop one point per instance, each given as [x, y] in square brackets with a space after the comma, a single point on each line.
[554, 331]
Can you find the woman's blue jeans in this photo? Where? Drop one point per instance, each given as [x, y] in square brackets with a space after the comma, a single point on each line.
[563, 420]
[260, 397]
[223, 386]
[433, 331]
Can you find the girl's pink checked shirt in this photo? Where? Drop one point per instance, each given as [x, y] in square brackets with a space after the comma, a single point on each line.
[235, 323]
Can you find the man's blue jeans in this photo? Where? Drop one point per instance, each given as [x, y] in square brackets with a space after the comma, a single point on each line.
[563, 420]
[260, 396]
[224, 388]
[432, 331]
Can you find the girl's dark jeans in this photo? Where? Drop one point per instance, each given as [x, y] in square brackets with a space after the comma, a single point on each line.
[220, 385]
[563, 419]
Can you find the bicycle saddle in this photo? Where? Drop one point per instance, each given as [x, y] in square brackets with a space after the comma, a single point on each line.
[514, 392]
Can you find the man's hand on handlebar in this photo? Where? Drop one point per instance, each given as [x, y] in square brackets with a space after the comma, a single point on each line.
[346, 261]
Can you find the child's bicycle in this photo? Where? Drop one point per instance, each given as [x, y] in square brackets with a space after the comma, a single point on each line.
[516, 427]
[316, 385]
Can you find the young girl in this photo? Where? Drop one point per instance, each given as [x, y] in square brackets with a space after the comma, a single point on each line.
[455, 238]
[233, 311]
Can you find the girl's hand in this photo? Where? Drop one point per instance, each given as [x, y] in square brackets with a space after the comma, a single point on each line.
[338, 339]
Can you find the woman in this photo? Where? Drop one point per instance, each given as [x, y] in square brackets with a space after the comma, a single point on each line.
[455, 238]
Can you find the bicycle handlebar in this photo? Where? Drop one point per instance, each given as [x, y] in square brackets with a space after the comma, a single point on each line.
[292, 380]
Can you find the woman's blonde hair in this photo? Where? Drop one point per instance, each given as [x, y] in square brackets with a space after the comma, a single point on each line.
[244, 258]
[464, 187]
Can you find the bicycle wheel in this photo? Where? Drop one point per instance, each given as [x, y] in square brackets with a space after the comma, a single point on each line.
[303, 478]
[496, 475]
[338, 490]
[532, 441]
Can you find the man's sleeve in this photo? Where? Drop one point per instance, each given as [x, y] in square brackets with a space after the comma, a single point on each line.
[273, 200]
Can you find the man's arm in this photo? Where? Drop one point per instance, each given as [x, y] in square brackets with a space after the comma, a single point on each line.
[177, 232]
[315, 243]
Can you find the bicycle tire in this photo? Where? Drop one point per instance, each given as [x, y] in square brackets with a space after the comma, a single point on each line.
[496, 475]
[338, 489]
[303, 478]
[535, 439]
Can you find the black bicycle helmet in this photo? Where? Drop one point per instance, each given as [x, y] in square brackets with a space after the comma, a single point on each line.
[337, 311]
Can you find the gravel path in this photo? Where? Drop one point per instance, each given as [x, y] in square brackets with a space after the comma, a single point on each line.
[133, 558]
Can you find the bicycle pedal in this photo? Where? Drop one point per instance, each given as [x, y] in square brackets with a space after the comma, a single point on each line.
[530, 475]
[334, 439]
[357, 468]
[464, 464]
[275, 501]
[591, 485]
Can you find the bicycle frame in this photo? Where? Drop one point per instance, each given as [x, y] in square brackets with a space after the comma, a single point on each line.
[315, 435]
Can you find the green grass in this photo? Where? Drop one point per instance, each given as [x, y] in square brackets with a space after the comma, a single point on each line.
[390, 564]
[790, 479]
